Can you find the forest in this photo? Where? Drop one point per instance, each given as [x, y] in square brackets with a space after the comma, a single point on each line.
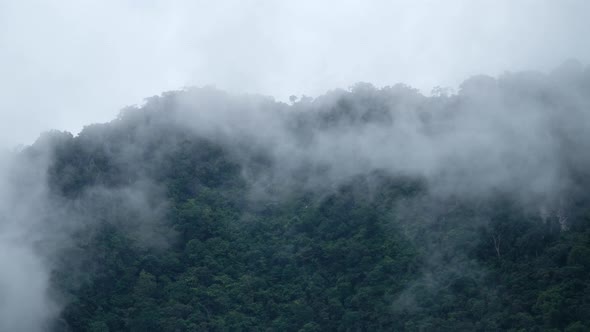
[364, 209]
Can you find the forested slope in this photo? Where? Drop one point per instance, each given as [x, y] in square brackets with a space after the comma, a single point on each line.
[361, 210]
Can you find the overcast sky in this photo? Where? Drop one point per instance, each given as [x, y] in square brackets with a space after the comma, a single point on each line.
[65, 64]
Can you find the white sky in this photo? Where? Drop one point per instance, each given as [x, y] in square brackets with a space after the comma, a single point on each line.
[65, 64]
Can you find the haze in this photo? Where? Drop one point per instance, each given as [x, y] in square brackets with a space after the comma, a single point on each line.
[69, 63]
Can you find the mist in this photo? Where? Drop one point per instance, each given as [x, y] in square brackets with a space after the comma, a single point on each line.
[473, 101]
[63, 67]
[522, 135]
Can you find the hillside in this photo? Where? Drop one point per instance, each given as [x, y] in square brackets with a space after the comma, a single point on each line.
[368, 209]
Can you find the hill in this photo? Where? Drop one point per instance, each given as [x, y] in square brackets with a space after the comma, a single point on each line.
[368, 209]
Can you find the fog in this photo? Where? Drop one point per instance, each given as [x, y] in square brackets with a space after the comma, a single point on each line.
[69, 63]
[519, 126]
[522, 132]
[522, 135]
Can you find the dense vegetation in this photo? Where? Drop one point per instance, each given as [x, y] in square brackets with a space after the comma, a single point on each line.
[222, 239]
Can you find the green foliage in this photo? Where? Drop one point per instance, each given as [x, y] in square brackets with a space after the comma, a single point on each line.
[376, 253]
